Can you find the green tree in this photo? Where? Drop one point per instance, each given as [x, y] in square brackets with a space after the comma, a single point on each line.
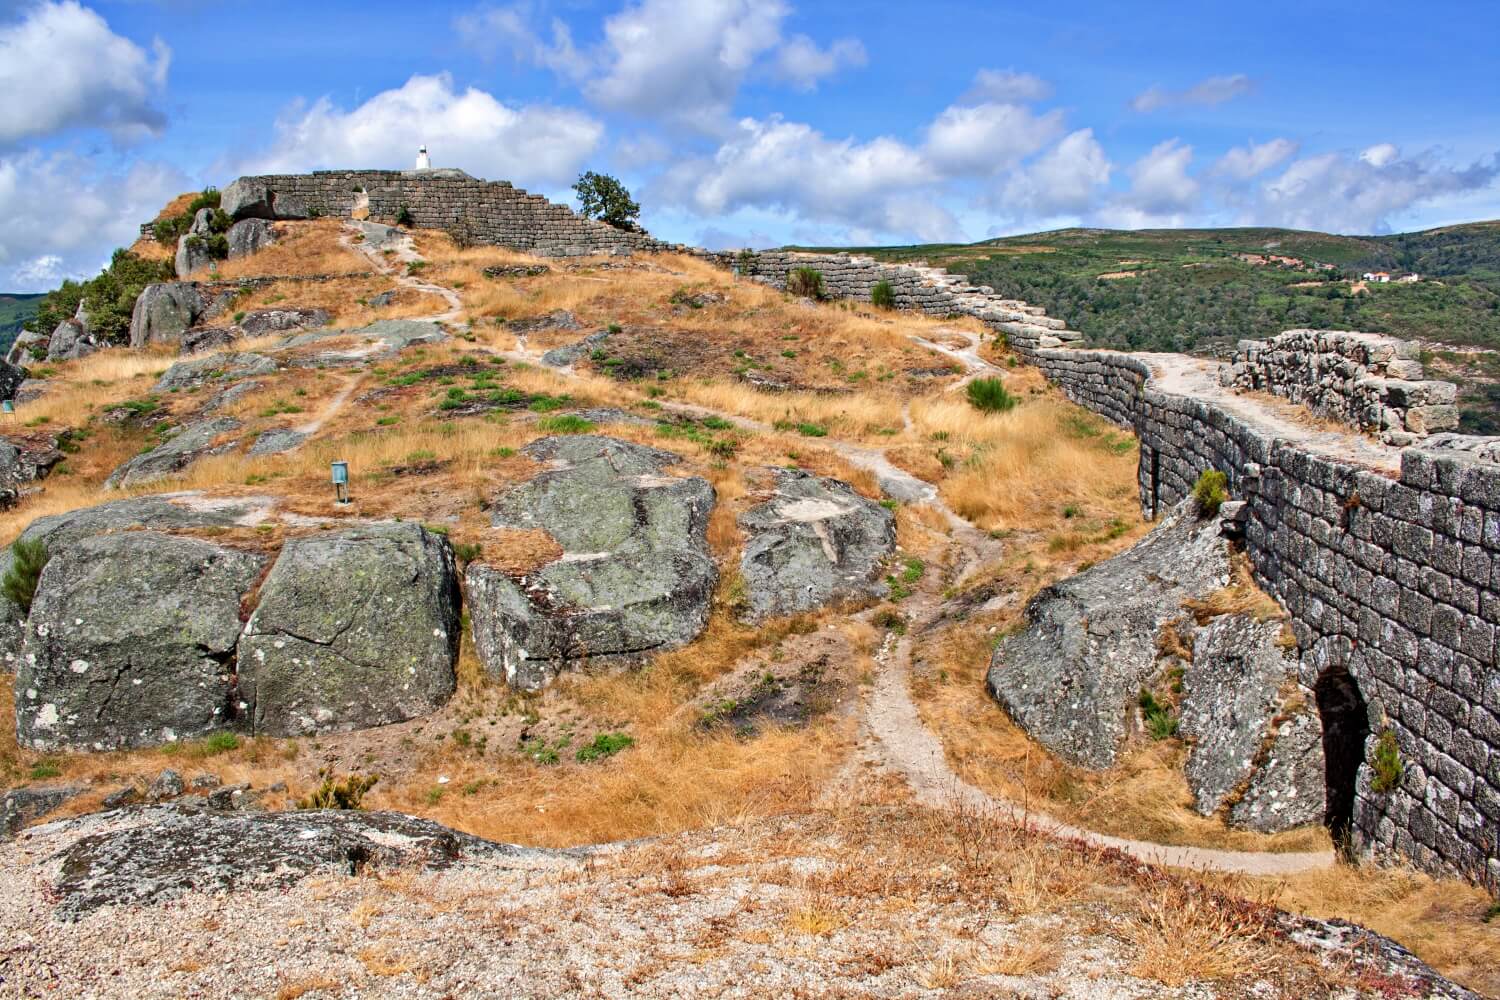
[604, 198]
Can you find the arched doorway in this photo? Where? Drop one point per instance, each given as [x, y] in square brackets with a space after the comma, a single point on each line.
[1346, 724]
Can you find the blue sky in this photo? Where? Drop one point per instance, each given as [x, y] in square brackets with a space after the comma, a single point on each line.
[740, 122]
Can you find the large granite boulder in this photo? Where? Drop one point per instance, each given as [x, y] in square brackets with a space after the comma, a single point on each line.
[814, 541]
[182, 449]
[29, 345]
[74, 338]
[213, 368]
[262, 321]
[171, 512]
[24, 463]
[247, 198]
[1071, 676]
[130, 642]
[636, 575]
[20, 807]
[192, 254]
[383, 338]
[201, 339]
[355, 628]
[1256, 745]
[157, 854]
[249, 236]
[163, 312]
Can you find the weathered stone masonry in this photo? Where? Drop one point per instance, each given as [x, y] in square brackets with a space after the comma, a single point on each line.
[1392, 583]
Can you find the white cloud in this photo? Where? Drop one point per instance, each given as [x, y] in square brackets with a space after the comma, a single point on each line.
[63, 214]
[1214, 90]
[1380, 155]
[802, 64]
[683, 60]
[1062, 181]
[1006, 86]
[714, 238]
[491, 28]
[877, 187]
[987, 138]
[1245, 162]
[531, 144]
[1336, 192]
[1161, 194]
[62, 67]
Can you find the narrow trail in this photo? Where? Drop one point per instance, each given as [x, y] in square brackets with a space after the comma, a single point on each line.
[892, 733]
[379, 238]
[331, 410]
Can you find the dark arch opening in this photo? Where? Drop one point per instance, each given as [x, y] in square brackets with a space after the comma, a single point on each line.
[1346, 724]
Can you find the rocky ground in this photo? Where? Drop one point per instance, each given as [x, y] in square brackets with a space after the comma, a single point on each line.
[701, 619]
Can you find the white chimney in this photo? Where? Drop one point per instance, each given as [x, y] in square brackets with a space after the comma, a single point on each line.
[424, 162]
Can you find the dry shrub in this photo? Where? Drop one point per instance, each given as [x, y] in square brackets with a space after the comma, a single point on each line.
[1182, 934]
[1024, 955]
[309, 984]
[1241, 596]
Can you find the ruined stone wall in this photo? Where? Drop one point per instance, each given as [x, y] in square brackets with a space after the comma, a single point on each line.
[1394, 581]
[1366, 380]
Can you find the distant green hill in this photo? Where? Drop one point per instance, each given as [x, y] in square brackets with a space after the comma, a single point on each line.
[15, 309]
[1201, 290]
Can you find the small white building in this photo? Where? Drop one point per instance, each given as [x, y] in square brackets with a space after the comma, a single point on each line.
[1379, 277]
[424, 162]
[1409, 279]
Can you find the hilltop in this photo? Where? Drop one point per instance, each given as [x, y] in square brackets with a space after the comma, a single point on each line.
[639, 549]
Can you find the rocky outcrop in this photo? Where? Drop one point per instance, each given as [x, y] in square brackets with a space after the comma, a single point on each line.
[383, 338]
[249, 236]
[74, 338]
[260, 322]
[185, 375]
[568, 354]
[252, 198]
[21, 807]
[160, 853]
[23, 462]
[1071, 676]
[163, 312]
[29, 345]
[636, 575]
[192, 254]
[174, 512]
[130, 642]
[356, 628]
[276, 441]
[182, 449]
[813, 542]
[1256, 745]
[208, 338]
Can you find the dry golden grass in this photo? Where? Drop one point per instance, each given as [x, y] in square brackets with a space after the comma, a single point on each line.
[1185, 936]
[1441, 920]
[1025, 956]
[314, 247]
[345, 299]
[299, 988]
[1241, 596]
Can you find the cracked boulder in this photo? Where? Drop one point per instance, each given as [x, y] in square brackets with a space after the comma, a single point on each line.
[182, 449]
[164, 312]
[1256, 744]
[160, 853]
[249, 236]
[813, 542]
[170, 512]
[259, 322]
[636, 575]
[213, 368]
[130, 642]
[354, 629]
[23, 462]
[1071, 676]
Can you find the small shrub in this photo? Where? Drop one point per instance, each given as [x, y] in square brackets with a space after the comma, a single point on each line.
[28, 558]
[467, 552]
[403, 216]
[218, 743]
[883, 296]
[806, 282]
[604, 745]
[565, 423]
[45, 769]
[812, 430]
[1387, 764]
[1210, 492]
[1160, 722]
[990, 395]
[336, 794]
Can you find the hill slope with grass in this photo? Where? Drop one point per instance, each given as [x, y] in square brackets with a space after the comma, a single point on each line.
[15, 309]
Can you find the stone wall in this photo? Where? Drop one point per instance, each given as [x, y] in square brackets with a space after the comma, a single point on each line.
[1366, 380]
[1393, 586]
[482, 211]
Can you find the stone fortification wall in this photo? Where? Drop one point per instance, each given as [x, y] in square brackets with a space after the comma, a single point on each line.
[1366, 380]
[1393, 586]
[482, 211]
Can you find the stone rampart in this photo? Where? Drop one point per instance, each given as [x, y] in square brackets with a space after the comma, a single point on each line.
[1366, 380]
